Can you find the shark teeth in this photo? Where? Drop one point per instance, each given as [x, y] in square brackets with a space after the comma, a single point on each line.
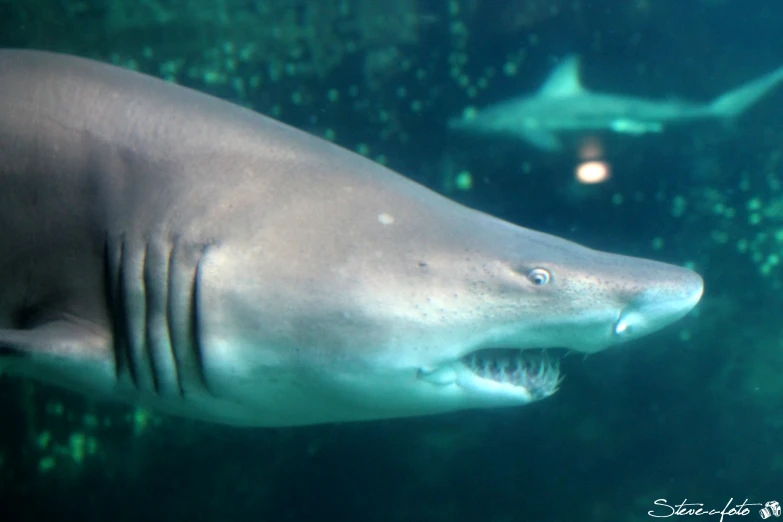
[535, 371]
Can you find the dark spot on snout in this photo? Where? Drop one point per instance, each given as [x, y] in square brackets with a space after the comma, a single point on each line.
[422, 264]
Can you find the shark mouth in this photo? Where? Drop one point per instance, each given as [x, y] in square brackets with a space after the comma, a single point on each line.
[533, 370]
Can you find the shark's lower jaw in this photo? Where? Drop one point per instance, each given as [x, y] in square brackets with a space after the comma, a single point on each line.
[533, 371]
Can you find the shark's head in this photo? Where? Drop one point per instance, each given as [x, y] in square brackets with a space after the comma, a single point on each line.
[470, 321]
[416, 305]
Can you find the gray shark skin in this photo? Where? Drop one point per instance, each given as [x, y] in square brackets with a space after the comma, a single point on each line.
[165, 248]
[563, 105]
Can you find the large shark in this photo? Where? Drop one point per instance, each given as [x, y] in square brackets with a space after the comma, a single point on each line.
[163, 247]
[563, 105]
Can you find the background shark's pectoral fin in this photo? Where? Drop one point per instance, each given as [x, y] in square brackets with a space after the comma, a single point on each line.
[61, 339]
[543, 139]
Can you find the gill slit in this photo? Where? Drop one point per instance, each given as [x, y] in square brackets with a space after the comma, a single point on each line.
[152, 294]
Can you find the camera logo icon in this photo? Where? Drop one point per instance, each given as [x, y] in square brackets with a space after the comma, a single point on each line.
[770, 509]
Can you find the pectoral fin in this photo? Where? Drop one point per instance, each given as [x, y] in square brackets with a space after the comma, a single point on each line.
[6, 351]
[65, 339]
[542, 139]
[65, 352]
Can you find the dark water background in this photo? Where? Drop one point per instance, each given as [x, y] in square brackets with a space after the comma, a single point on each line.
[692, 412]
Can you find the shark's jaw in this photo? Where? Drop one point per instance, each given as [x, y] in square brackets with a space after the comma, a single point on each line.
[515, 375]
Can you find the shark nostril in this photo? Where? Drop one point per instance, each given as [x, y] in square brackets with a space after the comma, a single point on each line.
[628, 323]
[623, 328]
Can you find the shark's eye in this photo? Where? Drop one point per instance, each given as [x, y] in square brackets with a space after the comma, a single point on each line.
[538, 276]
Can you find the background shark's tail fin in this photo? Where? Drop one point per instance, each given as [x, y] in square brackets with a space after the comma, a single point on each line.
[737, 101]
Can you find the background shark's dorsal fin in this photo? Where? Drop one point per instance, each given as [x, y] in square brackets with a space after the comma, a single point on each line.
[564, 80]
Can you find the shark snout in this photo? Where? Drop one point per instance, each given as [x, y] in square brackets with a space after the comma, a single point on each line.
[661, 303]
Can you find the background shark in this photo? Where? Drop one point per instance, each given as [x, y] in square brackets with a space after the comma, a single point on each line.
[563, 105]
